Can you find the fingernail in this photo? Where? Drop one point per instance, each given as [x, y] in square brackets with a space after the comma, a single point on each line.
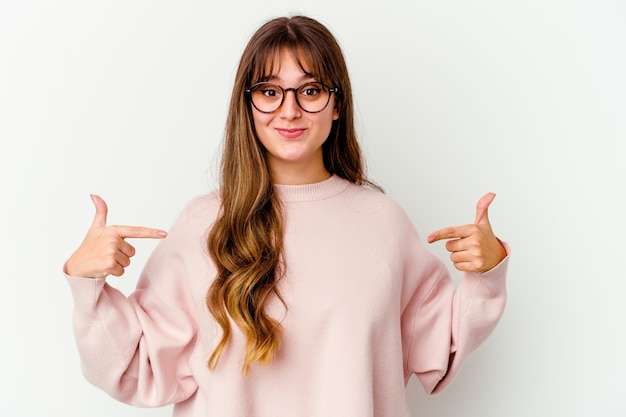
[161, 233]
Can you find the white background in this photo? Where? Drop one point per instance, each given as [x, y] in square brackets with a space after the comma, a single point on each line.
[454, 98]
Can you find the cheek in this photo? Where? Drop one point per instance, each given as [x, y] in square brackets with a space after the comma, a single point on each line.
[260, 124]
[261, 119]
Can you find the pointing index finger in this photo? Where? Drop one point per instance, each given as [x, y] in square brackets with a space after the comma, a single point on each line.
[139, 232]
[447, 233]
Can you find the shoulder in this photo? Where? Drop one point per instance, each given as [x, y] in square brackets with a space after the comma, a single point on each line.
[368, 200]
[196, 216]
[202, 207]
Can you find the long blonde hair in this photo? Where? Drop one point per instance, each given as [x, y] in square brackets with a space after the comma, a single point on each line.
[246, 241]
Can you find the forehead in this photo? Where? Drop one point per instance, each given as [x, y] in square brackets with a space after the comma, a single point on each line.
[287, 59]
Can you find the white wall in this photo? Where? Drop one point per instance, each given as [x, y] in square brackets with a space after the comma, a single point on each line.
[455, 98]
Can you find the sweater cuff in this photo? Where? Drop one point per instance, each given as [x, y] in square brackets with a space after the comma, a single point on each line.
[85, 291]
[494, 280]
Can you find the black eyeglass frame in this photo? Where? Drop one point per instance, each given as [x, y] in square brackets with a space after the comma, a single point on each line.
[331, 90]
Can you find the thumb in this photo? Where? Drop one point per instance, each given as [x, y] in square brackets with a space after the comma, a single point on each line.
[482, 208]
[100, 218]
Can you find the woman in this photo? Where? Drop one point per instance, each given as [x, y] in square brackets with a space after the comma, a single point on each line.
[296, 289]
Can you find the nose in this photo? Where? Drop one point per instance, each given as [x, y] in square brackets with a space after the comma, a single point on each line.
[290, 109]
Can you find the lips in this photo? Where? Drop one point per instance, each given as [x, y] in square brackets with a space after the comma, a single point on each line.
[290, 133]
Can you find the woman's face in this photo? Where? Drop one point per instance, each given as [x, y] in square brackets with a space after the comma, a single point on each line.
[292, 137]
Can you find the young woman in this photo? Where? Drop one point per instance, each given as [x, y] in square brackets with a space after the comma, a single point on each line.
[297, 288]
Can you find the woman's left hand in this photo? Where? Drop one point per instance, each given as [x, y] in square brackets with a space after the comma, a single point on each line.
[474, 247]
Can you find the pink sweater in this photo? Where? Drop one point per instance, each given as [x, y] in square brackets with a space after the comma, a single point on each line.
[367, 306]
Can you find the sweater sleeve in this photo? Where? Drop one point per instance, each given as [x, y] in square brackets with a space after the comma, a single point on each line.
[442, 325]
[138, 348]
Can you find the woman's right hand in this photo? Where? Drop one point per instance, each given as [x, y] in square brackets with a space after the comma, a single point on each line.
[104, 250]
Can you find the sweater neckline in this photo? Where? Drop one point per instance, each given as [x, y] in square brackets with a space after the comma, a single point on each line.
[311, 192]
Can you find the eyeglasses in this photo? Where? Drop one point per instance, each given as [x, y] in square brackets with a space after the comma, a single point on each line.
[312, 97]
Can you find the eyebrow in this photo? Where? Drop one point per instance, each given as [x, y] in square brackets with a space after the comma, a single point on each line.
[304, 76]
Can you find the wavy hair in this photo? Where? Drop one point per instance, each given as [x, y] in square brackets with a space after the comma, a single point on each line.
[246, 240]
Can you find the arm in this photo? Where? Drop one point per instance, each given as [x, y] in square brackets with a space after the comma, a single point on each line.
[445, 325]
[136, 349]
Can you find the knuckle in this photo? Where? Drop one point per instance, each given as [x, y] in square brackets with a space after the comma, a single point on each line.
[110, 264]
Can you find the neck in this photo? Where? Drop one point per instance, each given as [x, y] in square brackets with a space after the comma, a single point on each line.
[296, 174]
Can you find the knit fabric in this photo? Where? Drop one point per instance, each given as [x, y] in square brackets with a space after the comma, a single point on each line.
[366, 306]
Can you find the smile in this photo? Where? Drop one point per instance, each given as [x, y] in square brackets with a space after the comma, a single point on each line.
[290, 133]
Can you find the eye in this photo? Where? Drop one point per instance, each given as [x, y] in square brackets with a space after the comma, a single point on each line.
[311, 90]
[270, 91]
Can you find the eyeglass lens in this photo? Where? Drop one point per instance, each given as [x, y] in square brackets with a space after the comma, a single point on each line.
[311, 97]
